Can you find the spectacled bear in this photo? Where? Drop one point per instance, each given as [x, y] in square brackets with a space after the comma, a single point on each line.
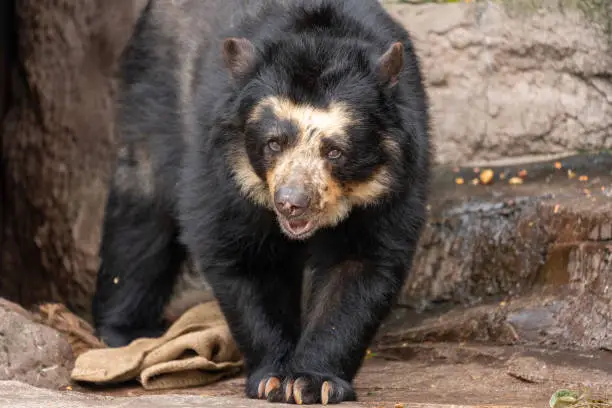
[268, 140]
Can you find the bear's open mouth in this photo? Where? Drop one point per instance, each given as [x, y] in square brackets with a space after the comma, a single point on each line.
[297, 228]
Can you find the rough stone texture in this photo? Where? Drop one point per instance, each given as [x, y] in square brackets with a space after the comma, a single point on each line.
[506, 84]
[543, 247]
[30, 352]
[56, 139]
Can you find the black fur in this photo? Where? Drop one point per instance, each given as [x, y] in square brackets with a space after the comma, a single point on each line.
[308, 51]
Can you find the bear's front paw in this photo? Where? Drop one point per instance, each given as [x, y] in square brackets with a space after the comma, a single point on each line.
[310, 388]
[265, 384]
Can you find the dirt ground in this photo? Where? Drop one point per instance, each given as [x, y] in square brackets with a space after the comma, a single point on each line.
[448, 374]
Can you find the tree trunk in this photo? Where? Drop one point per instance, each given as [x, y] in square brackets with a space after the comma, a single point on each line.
[57, 135]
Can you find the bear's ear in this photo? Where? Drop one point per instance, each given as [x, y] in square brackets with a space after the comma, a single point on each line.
[238, 55]
[390, 64]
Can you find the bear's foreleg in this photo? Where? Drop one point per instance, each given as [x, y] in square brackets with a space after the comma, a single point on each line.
[260, 299]
[348, 302]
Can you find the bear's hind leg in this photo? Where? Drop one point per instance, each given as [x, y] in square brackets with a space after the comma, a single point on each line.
[140, 258]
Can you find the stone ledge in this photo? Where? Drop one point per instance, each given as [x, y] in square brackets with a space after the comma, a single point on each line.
[543, 247]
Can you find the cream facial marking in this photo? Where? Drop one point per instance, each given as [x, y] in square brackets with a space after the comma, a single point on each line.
[313, 123]
[306, 161]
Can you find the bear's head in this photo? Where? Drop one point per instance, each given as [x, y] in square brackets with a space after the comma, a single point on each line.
[316, 124]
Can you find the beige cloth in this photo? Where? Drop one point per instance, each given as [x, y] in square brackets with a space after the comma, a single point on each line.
[77, 331]
[197, 349]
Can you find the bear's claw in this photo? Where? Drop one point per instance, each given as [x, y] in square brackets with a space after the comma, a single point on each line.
[304, 389]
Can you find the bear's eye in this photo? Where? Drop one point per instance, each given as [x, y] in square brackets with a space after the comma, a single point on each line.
[274, 145]
[334, 154]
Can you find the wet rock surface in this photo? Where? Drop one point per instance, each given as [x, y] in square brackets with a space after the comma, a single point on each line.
[30, 352]
[516, 264]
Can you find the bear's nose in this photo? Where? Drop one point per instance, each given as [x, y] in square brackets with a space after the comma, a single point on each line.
[291, 201]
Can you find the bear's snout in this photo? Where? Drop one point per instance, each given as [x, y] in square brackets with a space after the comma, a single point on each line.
[291, 200]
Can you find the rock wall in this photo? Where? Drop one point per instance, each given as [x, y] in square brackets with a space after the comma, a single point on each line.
[507, 84]
[56, 145]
